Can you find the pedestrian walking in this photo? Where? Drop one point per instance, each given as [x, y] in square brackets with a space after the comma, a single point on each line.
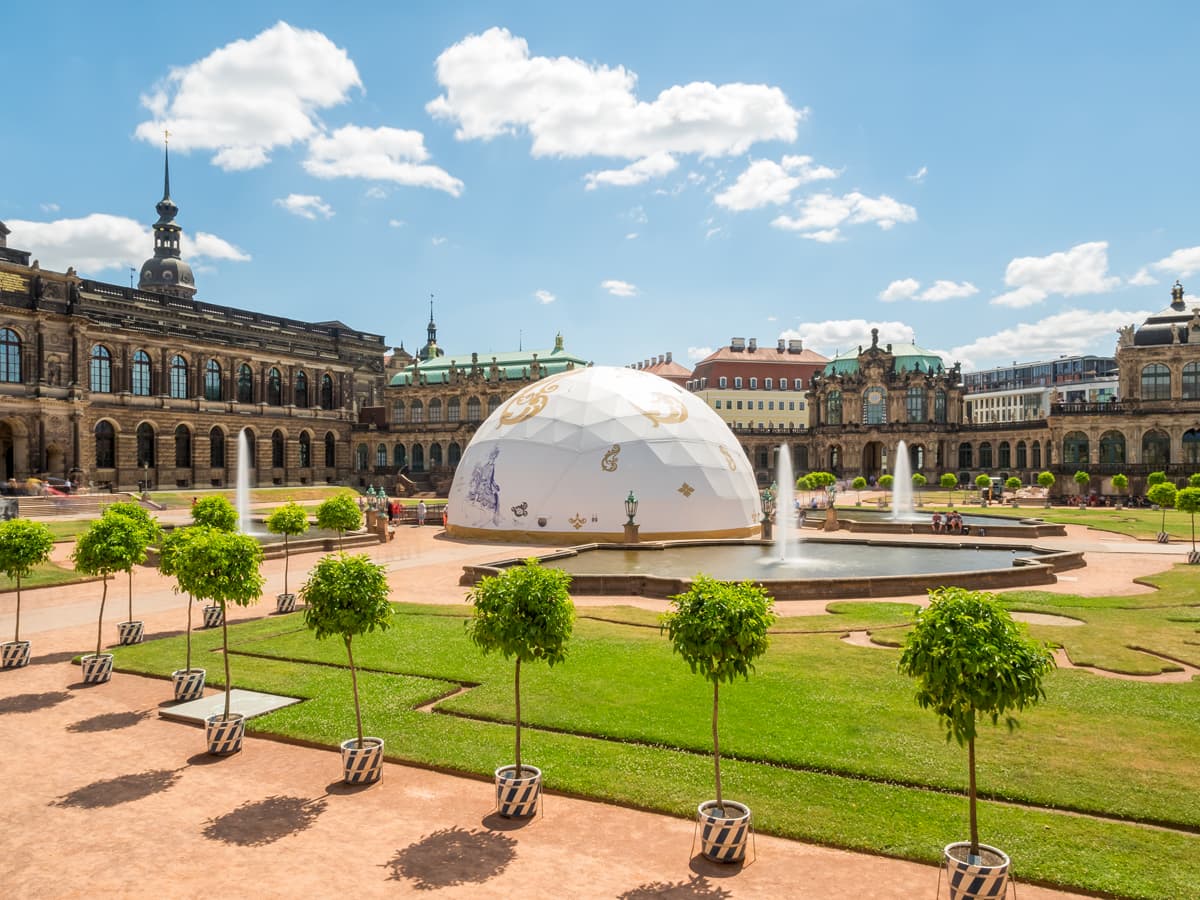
[422, 510]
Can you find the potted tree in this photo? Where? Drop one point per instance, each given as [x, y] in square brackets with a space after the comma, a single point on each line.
[188, 682]
[720, 628]
[919, 481]
[949, 481]
[222, 567]
[984, 483]
[341, 514]
[972, 661]
[1012, 485]
[886, 482]
[347, 596]
[1194, 480]
[109, 545]
[526, 612]
[24, 545]
[1120, 482]
[290, 519]
[218, 513]
[1162, 495]
[1082, 479]
[1188, 501]
[1046, 480]
[147, 532]
[858, 484]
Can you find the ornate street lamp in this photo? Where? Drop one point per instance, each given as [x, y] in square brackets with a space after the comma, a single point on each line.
[631, 505]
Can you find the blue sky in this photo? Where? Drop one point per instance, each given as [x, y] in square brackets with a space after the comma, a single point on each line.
[1001, 182]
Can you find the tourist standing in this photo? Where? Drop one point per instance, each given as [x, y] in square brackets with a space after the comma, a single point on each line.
[422, 510]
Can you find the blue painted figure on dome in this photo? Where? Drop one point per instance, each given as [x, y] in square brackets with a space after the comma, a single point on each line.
[484, 492]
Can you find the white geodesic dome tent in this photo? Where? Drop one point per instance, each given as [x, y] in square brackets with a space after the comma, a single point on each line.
[558, 459]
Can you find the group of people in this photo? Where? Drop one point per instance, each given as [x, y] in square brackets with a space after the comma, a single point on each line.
[951, 523]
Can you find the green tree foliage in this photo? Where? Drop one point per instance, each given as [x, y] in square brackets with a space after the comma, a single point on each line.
[526, 612]
[820, 480]
[1083, 479]
[1194, 480]
[110, 544]
[1155, 478]
[339, 513]
[347, 596]
[1162, 495]
[858, 484]
[983, 482]
[949, 482]
[919, 481]
[215, 512]
[1188, 501]
[24, 545]
[719, 628]
[972, 660]
[221, 567]
[886, 481]
[1120, 482]
[288, 520]
[168, 561]
[1013, 484]
[148, 531]
[804, 483]
[1046, 480]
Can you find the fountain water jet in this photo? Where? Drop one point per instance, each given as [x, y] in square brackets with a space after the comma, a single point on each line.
[242, 495]
[785, 503]
[902, 502]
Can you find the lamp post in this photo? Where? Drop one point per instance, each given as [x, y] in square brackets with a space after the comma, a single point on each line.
[631, 528]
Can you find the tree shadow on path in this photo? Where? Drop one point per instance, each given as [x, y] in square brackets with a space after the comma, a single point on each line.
[23, 703]
[123, 789]
[262, 822]
[107, 722]
[453, 856]
[695, 887]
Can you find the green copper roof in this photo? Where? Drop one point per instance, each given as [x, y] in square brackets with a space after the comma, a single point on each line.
[513, 366]
[905, 358]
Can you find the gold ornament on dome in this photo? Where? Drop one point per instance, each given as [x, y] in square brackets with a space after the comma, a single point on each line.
[729, 460]
[577, 521]
[671, 412]
[686, 489]
[609, 462]
[532, 399]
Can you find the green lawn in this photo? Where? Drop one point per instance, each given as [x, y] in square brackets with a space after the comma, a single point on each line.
[825, 742]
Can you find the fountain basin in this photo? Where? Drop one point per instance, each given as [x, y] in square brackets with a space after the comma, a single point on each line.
[881, 522]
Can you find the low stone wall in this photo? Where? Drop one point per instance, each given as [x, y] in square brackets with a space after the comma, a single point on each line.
[1021, 528]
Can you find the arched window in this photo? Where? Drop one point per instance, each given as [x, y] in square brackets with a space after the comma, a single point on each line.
[1035, 458]
[274, 388]
[493, 405]
[1191, 447]
[10, 356]
[874, 406]
[106, 445]
[183, 447]
[245, 384]
[1022, 455]
[179, 378]
[381, 456]
[435, 410]
[835, 459]
[1156, 449]
[1156, 382]
[139, 381]
[1075, 449]
[833, 408]
[1003, 455]
[398, 412]
[914, 404]
[212, 380]
[301, 390]
[100, 371]
[1191, 381]
[453, 454]
[145, 445]
[305, 450]
[939, 407]
[418, 458]
[416, 412]
[398, 456]
[360, 458]
[452, 409]
[330, 450]
[1112, 448]
[277, 449]
[216, 448]
[326, 392]
[435, 455]
[985, 455]
[965, 456]
[473, 409]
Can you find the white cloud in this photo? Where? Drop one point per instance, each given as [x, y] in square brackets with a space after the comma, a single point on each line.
[572, 108]
[1081, 270]
[947, 290]
[307, 206]
[902, 289]
[49, 207]
[250, 96]
[713, 232]
[843, 335]
[396, 223]
[695, 354]
[381, 154]
[637, 214]
[765, 182]
[437, 241]
[632, 236]
[1182, 263]
[822, 215]
[619, 288]
[1067, 333]
[544, 297]
[375, 192]
[98, 242]
[1143, 278]
[638, 172]
[918, 175]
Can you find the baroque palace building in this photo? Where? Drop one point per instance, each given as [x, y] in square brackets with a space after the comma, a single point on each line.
[123, 388]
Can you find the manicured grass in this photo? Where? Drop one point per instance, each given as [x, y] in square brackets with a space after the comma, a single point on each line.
[45, 575]
[824, 742]
[302, 494]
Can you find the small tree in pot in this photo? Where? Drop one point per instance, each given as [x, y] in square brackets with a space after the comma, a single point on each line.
[1162, 495]
[1046, 480]
[341, 514]
[526, 612]
[949, 481]
[224, 568]
[984, 483]
[24, 545]
[148, 532]
[217, 513]
[1188, 501]
[188, 682]
[971, 660]
[886, 482]
[290, 519]
[919, 481]
[1012, 485]
[1082, 479]
[1119, 483]
[109, 545]
[720, 628]
[347, 596]
[858, 484]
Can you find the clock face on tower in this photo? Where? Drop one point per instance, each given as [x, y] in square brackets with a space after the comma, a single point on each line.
[874, 396]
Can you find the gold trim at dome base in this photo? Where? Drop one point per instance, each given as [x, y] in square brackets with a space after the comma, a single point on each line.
[598, 537]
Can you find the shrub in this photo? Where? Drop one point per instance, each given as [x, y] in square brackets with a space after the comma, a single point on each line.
[24, 545]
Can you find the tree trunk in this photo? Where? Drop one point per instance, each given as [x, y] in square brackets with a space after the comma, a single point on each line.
[354, 680]
[189, 634]
[17, 635]
[225, 653]
[717, 747]
[971, 795]
[100, 627]
[517, 686]
[1163, 526]
[130, 619]
[285, 561]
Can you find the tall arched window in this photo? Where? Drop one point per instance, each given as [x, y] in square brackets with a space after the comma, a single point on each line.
[1076, 451]
[1022, 455]
[1191, 447]
[1156, 449]
[274, 388]
[939, 407]
[212, 380]
[914, 404]
[216, 448]
[245, 388]
[100, 370]
[305, 450]
[965, 456]
[183, 447]
[301, 390]
[10, 356]
[1035, 459]
[454, 454]
[874, 406]
[418, 458]
[277, 449]
[416, 412]
[381, 456]
[398, 456]
[493, 404]
[1004, 455]
[1191, 381]
[833, 408]
[145, 445]
[330, 450]
[326, 392]
[179, 378]
[452, 409]
[139, 381]
[435, 455]
[985, 455]
[398, 412]
[360, 458]
[1156, 382]
[473, 409]
[1112, 448]
[435, 410]
[106, 445]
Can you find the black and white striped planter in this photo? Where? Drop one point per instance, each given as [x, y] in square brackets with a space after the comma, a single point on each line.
[518, 797]
[1194, 558]
[212, 616]
[724, 830]
[285, 603]
[362, 765]
[224, 735]
[14, 654]
[984, 879]
[97, 669]
[129, 632]
[189, 684]
[1163, 538]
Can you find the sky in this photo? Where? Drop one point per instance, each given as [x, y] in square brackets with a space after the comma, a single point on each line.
[996, 182]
